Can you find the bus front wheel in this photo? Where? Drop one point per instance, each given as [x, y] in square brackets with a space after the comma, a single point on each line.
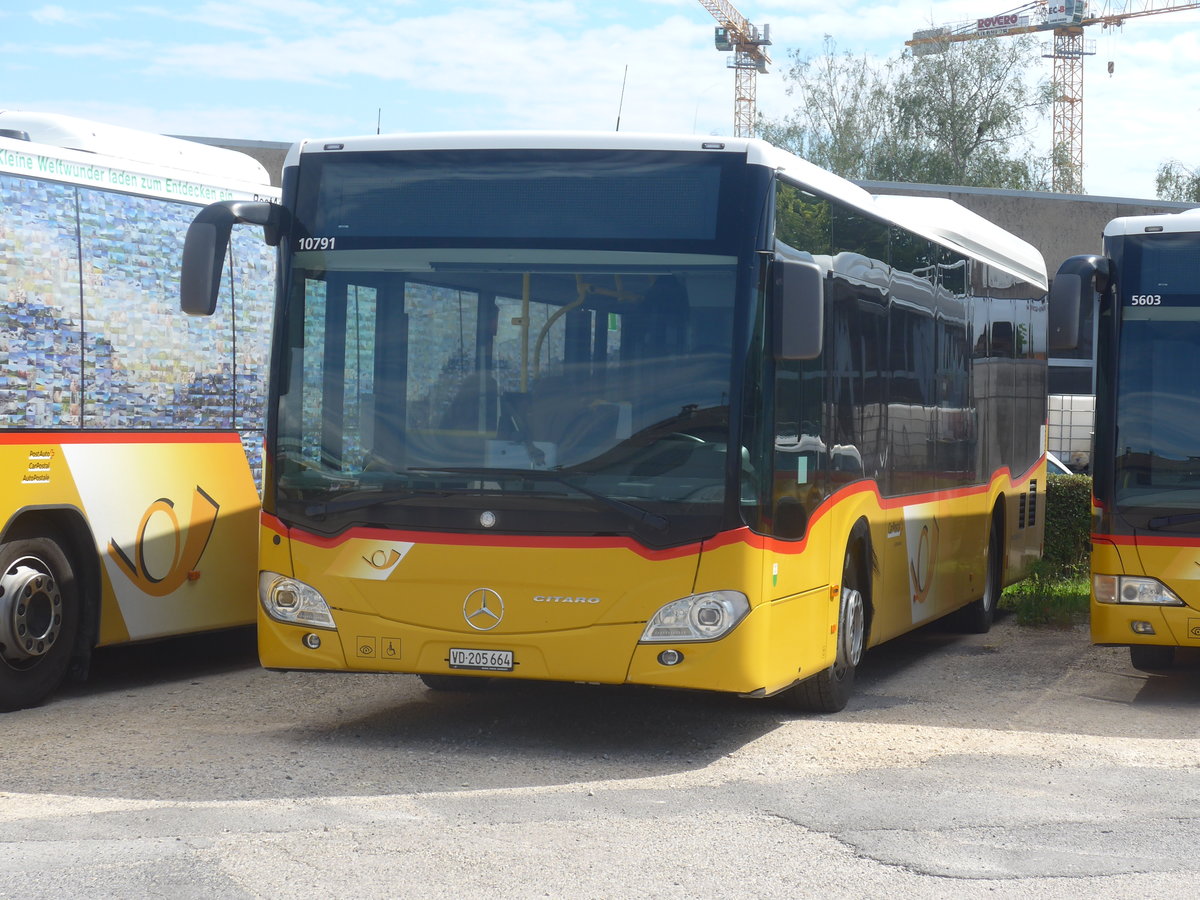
[829, 691]
[460, 683]
[1151, 658]
[39, 620]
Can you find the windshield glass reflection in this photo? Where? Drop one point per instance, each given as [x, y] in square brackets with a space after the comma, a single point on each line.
[1158, 415]
[462, 372]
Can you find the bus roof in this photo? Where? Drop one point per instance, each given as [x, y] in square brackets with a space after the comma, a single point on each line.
[1188, 220]
[952, 224]
[70, 133]
[939, 219]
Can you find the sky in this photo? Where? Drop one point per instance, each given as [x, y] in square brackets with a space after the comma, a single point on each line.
[282, 70]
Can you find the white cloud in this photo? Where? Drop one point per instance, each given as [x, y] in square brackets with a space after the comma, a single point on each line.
[50, 15]
[280, 69]
[53, 14]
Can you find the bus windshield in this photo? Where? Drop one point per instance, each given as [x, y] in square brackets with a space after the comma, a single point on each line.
[545, 338]
[1157, 457]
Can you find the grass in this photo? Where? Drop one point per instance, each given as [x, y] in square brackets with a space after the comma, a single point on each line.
[1051, 595]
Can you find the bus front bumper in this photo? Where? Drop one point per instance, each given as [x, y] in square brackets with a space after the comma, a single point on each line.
[604, 654]
[1121, 624]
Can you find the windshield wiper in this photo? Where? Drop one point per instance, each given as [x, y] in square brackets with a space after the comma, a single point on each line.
[642, 516]
[371, 498]
[1167, 521]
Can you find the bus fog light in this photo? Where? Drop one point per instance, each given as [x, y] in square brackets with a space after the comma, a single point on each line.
[1142, 627]
[312, 641]
[293, 602]
[700, 617]
[670, 658]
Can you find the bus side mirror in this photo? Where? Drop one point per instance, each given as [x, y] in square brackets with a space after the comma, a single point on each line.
[798, 306]
[1077, 279]
[207, 242]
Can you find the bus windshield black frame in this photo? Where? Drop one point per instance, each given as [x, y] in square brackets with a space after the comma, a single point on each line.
[1156, 431]
[435, 294]
[599, 199]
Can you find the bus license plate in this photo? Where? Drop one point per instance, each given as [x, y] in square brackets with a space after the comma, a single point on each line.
[483, 660]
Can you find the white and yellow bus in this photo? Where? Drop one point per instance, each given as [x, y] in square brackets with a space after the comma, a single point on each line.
[633, 410]
[1146, 453]
[128, 434]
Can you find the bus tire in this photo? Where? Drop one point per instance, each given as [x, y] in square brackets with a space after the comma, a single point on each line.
[977, 617]
[1151, 658]
[39, 620]
[829, 691]
[460, 683]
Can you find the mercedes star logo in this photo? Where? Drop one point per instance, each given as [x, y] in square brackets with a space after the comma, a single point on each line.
[483, 609]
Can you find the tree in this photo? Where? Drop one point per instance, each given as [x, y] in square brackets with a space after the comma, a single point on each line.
[843, 119]
[1175, 181]
[958, 117]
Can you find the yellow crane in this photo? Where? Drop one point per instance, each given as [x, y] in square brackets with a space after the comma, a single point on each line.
[734, 33]
[1067, 19]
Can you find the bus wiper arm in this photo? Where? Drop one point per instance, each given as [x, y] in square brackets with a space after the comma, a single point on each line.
[374, 498]
[1167, 521]
[643, 516]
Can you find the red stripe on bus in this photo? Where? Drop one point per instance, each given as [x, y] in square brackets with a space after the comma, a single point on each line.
[739, 535]
[1145, 540]
[511, 541]
[119, 437]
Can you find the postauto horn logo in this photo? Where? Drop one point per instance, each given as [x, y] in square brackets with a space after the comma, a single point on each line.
[185, 556]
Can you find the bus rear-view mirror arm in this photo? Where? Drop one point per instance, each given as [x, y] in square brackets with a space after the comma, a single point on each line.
[207, 242]
[1078, 278]
[798, 301]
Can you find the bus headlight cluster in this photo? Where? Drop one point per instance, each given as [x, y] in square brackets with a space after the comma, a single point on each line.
[1133, 589]
[700, 617]
[294, 602]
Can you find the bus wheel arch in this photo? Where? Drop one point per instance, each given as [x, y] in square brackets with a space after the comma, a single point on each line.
[977, 616]
[829, 690]
[49, 593]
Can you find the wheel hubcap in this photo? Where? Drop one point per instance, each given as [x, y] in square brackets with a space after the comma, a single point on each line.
[853, 626]
[30, 611]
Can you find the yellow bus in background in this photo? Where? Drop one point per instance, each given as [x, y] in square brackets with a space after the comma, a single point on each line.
[627, 409]
[129, 437]
[1145, 294]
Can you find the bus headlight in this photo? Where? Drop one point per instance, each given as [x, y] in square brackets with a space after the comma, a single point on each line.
[1133, 589]
[294, 602]
[700, 617]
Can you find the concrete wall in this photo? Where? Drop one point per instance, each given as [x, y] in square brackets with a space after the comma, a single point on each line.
[270, 153]
[1059, 225]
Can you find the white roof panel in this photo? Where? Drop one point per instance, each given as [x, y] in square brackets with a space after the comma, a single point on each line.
[1188, 220]
[942, 220]
[70, 133]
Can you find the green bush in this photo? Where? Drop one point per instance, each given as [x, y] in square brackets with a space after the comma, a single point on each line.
[1057, 590]
[1051, 595]
[1068, 521]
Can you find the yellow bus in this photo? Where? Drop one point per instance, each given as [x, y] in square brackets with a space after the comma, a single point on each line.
[129, 508]
[632, 409]
[1144, 293]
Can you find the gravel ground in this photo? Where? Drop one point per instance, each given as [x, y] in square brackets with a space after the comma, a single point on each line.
[1020, 763]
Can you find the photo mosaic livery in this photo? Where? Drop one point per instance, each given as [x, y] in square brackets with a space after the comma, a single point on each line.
[131, 437]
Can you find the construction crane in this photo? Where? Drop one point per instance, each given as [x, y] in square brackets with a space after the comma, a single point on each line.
[746, 42]
[1067, 19]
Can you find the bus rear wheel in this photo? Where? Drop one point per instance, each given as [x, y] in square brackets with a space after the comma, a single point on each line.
[39, 620]
[829, 691]
[977, 617]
